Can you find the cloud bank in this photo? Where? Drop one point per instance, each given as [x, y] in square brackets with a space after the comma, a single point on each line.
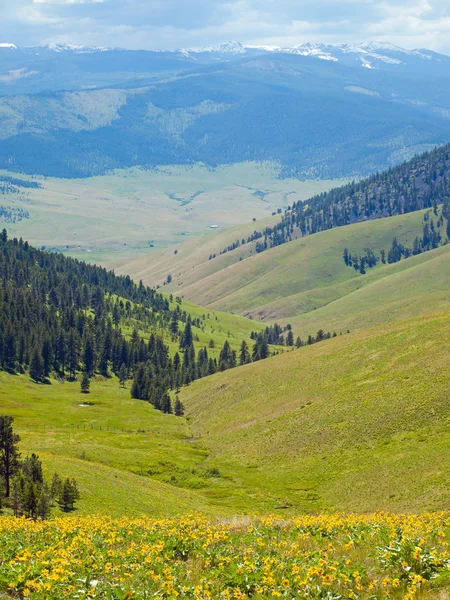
[171, 24]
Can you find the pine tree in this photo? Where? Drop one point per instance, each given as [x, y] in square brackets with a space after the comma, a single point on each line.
[44, 503]
[37, 366]
[32, 468]
[85, 383]
[187, 339]
[9, 453]
[123, 375]
[68, 495]
[66, 500]
[179, 408]
[165, 403]
[72, 353]
[88, 356]
[17, 494]
[47, 357]
[244, 354]
[56, 487]
[290, 338]
[30, 502]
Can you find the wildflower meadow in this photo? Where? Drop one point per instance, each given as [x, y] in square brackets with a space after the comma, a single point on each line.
[328, 557]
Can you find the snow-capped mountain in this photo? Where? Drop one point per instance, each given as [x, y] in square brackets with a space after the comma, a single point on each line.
[368, 54]
[58, 48]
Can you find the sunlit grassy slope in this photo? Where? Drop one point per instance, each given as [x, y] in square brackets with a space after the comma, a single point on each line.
[356, 423]
[297, 278]
[359, 422]
[106, 445]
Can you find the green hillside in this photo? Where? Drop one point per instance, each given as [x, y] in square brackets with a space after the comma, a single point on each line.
[106, 441]
[293, 279]
[356, 423]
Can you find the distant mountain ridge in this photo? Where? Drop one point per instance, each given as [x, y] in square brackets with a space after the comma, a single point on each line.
[369, 54]
[324, 111]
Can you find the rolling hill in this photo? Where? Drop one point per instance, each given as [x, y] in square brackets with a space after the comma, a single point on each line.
[356, 423]
[304, 281]
[294, 268]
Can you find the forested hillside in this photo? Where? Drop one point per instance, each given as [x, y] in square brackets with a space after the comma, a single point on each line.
[422, 182]
[59, 316]
[317, 118]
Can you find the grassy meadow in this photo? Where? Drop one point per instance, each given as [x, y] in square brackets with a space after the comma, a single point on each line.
[127, 213]
[306, 281]
[355, 423]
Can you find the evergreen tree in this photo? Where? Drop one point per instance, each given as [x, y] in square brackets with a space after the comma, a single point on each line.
[17, 494]
[37, 366]
[30, 501]
[85, 383]
[244, 354]
[165, 403]
[43, 508]
[88, 356]
[56, 487]
[32, 469]
[66, 499]
[187, 339]
[9, 453]
[178, 408]
[123, 375]
[47, 357]
[290, 338]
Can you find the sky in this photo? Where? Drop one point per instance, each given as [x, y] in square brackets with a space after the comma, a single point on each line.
[171, 24]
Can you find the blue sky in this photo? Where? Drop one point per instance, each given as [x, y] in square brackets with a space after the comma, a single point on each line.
[170, 24]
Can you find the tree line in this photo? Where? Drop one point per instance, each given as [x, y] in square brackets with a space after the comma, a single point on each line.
[432, 238]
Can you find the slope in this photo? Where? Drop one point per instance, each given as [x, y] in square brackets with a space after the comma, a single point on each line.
[281, 282]
[359, 422]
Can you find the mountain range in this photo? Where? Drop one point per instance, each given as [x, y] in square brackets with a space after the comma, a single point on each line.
[319, 110]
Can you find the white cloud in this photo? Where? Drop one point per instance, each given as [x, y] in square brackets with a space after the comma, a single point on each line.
[177, 23]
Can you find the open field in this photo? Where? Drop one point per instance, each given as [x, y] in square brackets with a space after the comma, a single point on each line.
[329, 556]
[128, 458]
[112, 216]
[358, 422]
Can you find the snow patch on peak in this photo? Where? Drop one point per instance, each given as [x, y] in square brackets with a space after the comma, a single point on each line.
[75, 48]
[6, 45]
[309, 49]
[225, 48]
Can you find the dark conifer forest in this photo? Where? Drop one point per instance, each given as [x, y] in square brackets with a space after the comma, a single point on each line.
[60, 317]
[423, 182]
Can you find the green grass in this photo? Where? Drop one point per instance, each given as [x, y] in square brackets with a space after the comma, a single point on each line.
[296, 278]
[109, 218]
[106, 446]
[356, 423]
